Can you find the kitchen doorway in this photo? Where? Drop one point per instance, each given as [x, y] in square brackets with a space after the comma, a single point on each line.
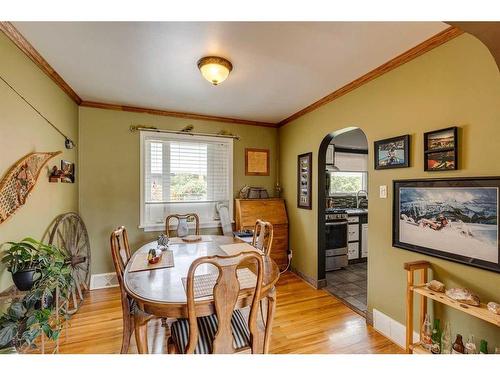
[343, 216]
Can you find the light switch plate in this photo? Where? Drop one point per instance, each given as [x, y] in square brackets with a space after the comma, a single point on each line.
[383, 191]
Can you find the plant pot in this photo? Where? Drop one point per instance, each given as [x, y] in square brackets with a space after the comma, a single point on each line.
[24, 279]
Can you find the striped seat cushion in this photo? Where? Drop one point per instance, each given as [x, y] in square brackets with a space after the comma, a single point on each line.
[207, 329]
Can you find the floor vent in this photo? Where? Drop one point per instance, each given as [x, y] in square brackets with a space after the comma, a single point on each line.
[103, 280]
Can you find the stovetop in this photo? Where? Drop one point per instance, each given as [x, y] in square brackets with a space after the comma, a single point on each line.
[335, 211]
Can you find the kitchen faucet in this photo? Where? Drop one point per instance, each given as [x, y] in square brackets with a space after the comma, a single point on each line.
[357, 197]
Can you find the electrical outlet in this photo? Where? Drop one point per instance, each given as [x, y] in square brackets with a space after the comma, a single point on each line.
[383, 191]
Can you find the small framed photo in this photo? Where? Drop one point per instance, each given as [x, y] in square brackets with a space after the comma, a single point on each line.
[67, 171]
[304, 181]
[256, 162]
[441, 150]
[392, 152]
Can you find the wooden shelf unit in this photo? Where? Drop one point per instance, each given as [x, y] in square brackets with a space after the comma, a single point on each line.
[425, 293]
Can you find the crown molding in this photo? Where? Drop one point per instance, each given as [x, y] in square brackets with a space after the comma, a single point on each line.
[20, 41]
[427, 45]
[160, 112]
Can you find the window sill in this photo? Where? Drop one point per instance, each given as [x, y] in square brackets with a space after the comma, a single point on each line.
[161, 227]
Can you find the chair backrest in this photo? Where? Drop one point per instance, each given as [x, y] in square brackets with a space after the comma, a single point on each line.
[225, 294]
[180, 217]
[263, 236]
[120, 251]
[223, 211]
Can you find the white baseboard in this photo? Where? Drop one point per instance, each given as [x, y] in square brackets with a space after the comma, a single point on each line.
[103, 280]
[392, 329]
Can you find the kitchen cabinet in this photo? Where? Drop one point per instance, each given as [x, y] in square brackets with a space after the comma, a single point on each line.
[353, 250]
[357, 236]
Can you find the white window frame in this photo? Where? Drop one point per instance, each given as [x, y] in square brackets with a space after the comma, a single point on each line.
[364, 183]
[170, 136]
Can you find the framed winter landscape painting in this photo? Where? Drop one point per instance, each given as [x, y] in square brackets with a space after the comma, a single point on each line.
[454, 219]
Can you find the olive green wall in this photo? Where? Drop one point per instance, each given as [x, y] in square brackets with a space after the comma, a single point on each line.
[457, 83]
[23, 131]
[109, 171]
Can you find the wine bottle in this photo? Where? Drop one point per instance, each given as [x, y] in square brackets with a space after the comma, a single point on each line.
[470, 345]
[426, 333]
[458, 346]
[436, 338]
[483, 347]
[446, 339]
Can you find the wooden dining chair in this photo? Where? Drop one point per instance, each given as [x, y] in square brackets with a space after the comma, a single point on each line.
[180, 217]
[120, 252]
[227, 331]
[263, 236]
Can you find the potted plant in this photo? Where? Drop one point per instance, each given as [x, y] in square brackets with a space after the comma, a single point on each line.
[35, 314]
[22, 262]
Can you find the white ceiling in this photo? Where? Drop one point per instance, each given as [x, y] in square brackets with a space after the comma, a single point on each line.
[279, 68]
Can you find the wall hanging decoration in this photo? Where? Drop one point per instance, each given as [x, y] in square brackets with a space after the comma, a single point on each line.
[256, 162]
[65, 174]
[441, 150]
[18, 182]
[68, 142]
[304, 181]
[392, 152]
[454, 219]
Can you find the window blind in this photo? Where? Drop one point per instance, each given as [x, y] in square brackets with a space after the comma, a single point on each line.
[184, 173]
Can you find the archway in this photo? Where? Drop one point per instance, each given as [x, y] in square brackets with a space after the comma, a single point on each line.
[351, 144]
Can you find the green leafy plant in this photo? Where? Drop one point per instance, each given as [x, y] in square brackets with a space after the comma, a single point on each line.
[36, 313]
[21, 256]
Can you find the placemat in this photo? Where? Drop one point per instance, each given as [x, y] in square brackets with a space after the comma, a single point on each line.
[204, 284]
[179, 240]
[237, 248]
[140, 262]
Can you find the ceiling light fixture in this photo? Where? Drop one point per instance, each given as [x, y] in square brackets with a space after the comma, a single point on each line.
[214, 69]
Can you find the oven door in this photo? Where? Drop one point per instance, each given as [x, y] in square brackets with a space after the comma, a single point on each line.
[336, 235]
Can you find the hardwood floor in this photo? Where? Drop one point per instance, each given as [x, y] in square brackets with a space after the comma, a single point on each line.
[306, 321]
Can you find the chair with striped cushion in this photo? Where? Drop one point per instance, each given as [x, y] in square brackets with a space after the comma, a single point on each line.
[227, 331]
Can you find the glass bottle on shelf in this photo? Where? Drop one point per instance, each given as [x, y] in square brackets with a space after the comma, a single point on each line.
[446, 339]
[458, 346]
[470, 345]
[483, 347]
[436, 338]
[426, 333]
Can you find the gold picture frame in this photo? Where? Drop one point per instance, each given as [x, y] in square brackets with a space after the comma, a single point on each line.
[256, 162]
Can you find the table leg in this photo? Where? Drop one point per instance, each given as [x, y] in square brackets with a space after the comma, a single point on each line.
[271, 306]
[141, 332]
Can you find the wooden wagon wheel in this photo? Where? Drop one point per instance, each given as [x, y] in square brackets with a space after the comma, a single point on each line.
[70, 235]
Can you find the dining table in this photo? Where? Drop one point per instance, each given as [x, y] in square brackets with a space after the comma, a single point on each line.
[160, 292]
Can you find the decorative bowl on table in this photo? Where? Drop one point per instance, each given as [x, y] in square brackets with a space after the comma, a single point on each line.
[154, 256]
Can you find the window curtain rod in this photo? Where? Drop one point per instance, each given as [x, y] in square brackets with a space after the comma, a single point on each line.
[186, 130]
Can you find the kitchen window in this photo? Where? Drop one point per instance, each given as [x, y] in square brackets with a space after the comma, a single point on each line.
[352, 175]
[347, 183]
[183, 174]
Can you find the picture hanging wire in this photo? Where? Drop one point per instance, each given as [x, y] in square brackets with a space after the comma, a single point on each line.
[68, 143]
[187, 130]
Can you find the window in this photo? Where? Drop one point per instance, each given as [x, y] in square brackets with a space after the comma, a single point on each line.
[342, 183]
[352, 176]
[182, 174]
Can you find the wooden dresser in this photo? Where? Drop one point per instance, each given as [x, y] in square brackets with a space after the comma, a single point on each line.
[272, 210]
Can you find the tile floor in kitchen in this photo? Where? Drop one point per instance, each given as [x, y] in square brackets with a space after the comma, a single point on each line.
[349, 284]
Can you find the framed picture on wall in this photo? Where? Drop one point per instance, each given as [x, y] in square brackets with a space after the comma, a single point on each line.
[256, 162]
[304, 181]
[441, 150]
[392, 152]
[455, 219]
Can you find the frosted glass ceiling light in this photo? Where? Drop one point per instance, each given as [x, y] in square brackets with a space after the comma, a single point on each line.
[214, 69]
